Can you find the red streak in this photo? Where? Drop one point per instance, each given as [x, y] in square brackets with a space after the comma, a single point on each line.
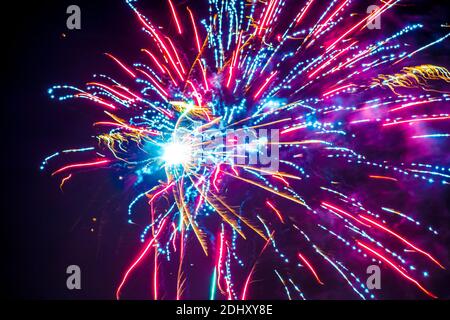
[342, 212]
[175, 17]
[293, 129]
[234, 170]
[174, 237]
[302, 14]
[350, 61]
[199, 203]
[216, 175]
[155, 60]
[156, 195]
[106, 123]
[340, 88]
[139, 258]
[111, 90]
[330, 17]
[282, 179]
[414, 120]
[402, 239]
[219, 261]
[230, 75]
[383, 178]
[268, 12]
[162, 44]
[176, 55]
[97, 100]
[155, 83]
[197, 40]
[410, 104]
[310, 268]
[369, 18]
[383, 258]
[128, 90]
[171, 77]
[179, 293]
[244, 291]
[122, 65]
[329, 61]
[257, 95]
[197, 95]
[234, 60]
[155, 277]
[81, 165]
[275, 210]
[205, 79]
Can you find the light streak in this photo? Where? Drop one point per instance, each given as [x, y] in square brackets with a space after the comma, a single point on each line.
[128, 70]
[275, 210]
[175, 17]
[197, 39]
[307, 74]
[264, 86]
[396, 268]
[139, 258]
[310, 267]
[81, 165]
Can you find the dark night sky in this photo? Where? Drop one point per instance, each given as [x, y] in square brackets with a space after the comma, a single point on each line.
[43, 229]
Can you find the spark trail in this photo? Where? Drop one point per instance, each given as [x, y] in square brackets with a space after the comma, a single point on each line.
[310, 71]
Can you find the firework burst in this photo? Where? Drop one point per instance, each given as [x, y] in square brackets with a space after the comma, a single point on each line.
[341, 110]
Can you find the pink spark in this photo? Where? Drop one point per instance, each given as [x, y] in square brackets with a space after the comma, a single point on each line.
[197, 40]
[310, 267]
[264, 86]
[175, 17]
[375, 223]
[277, 212]
[81, 165]
[139, 258]
[122, 65]
[389, 262]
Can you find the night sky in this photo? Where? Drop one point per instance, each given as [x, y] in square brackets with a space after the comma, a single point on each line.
[43, 229]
